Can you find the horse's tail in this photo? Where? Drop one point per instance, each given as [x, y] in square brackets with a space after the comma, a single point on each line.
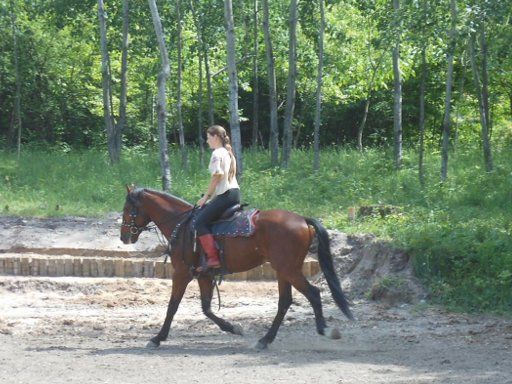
[327, 267]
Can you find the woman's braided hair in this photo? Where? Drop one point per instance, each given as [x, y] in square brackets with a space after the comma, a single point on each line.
[217, 130]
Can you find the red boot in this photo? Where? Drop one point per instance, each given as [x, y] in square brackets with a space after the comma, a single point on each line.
[210, 248]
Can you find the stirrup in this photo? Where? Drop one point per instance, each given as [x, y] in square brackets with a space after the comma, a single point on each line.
[215, 268]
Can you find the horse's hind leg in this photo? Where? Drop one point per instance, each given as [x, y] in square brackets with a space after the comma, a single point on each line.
[206, 288]
[285, 300]
[312, 293]
[179, 285]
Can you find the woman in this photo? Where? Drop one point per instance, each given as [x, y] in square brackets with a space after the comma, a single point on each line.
[223, 191]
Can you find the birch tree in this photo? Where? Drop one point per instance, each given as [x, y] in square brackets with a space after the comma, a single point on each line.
[17, 98]
[291, 85]
[481, 107]
[318, 111]
[272, 86]
[397, 76]
[448, 95]
[112, 131]
[124, 75]
[179, 102]
[234, 120]
[162, 103]
[256, 91]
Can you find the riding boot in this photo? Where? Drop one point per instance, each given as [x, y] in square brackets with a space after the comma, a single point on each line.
[210, 248]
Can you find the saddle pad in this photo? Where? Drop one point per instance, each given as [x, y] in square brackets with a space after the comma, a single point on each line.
[241, 224]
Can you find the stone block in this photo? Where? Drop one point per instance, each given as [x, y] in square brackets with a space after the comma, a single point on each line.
[43, 266]
[149, 268]
[77, 267]
[59, 267]
[159, 270]
[109, 268]
[68, 266]
[119, 268]
[86, 267]
[52, 267]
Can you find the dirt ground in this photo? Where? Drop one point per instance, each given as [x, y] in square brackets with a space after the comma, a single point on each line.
[77, 330]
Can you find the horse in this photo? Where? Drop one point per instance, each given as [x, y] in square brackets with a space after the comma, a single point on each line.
[281, 237]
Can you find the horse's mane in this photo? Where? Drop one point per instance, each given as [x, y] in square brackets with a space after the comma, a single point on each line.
[134, 196]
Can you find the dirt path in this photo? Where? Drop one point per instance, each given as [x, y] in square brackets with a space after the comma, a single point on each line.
[78, 330]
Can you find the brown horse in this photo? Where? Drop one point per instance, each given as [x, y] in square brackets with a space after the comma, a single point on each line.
[281, 238]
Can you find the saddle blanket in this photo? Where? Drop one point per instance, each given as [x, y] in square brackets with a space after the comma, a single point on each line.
[240, 224]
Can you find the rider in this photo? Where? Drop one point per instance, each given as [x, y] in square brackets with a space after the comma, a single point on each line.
[223, 191]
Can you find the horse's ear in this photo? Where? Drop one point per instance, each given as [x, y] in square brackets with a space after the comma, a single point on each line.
[128, 188]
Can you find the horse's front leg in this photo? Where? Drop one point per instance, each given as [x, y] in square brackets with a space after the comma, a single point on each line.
[179, 285]
[206, 289]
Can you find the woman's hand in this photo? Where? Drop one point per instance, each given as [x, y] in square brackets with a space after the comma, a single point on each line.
[202, 201]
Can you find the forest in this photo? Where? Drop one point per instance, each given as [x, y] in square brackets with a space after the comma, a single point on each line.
[400, 102]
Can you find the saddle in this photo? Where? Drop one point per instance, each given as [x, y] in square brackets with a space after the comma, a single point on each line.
[234, 222]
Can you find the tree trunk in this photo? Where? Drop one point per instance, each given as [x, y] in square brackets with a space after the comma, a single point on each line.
[181, 133]
[106, 84]
[200, 130]
[397, 110]
[318, 112]
[256, 90]
[234, 120]
[421, 168]
[291, 91]
[458, 103]
[274, 129]
[448, 95]
[162, 103]
[17, 102]
[121, 126]
[485, 76]
[481, 107]
[360, 129]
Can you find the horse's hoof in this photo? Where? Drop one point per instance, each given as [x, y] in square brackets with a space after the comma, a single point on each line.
[152, 345]
[238, 330]
[259, 346]
[332, 333]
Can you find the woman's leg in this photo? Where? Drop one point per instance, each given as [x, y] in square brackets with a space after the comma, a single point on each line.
[209, 213]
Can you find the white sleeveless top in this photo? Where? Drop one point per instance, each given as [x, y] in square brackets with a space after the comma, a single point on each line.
[219, 165]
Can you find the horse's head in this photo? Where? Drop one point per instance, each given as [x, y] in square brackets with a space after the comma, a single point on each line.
[135, 219]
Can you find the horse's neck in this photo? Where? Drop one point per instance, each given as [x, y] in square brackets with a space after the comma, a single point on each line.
[165, 212]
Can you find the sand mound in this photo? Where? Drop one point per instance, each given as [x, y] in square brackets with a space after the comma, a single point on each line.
[374, 269]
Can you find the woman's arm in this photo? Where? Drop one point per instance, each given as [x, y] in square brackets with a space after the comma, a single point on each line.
[214, 181]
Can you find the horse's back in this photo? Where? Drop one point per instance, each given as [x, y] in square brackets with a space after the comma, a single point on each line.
[284, 226]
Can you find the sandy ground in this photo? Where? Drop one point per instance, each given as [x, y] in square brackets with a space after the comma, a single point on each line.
[78, 330]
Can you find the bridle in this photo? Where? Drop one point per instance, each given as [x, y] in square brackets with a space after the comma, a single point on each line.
[134, 228]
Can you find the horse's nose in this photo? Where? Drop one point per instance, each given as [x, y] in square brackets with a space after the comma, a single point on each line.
[126, 239]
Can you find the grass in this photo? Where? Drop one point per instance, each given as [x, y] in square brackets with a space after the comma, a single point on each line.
[459, 232]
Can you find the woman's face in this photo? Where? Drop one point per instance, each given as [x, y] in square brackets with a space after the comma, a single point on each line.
[213, 141]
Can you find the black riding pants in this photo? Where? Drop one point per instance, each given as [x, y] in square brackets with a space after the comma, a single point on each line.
[214, 209]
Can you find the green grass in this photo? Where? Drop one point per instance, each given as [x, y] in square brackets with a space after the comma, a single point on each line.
[459, 232]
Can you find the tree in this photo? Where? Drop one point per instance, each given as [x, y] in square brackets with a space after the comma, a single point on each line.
[291, 83]
[113, 133]
[256, 91]
[162, 100]
[17, 103]
[481, 107]
[397, 75]
[271, 72]
[184, 157]
[234, 119]
[318, 111]
[452, 39]
[124, 71]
